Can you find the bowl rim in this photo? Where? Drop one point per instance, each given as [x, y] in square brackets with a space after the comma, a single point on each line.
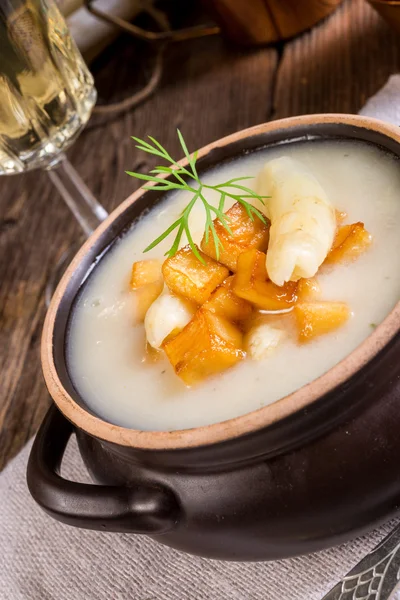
[249, 422]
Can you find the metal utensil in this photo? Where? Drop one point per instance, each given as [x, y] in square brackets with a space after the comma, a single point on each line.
[377, 575]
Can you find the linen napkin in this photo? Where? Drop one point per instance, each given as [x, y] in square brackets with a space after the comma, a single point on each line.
[385, 104]
[41, 559]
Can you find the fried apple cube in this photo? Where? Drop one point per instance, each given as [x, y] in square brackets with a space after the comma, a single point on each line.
[307, 289]
[246, 234]
[340, 216]
[186, 276]
[350, 241]
[317, 318]
[143, 298]
[251, 283]
[208, 345]
[146, 284]
[228, 282]
[251, 267]
[225, 303]
[145, 272]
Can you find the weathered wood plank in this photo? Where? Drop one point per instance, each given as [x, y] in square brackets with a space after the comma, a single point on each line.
[337, 65]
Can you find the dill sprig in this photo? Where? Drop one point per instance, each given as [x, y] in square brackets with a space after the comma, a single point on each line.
[187, 179]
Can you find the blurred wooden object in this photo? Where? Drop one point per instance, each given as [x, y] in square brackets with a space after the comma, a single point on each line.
[389, 10]
[257, 22]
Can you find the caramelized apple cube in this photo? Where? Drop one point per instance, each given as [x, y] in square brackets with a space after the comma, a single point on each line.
[251, 283]
[251, 267]
[186, 276]
[246, 234]
[317, 318]
[225, 303]
[228, 282]
[208, 345]
[307, 289]
[146, 284]
[340, 236]
[145, 272]
[340, 216]
[144, 297]
[350, 241]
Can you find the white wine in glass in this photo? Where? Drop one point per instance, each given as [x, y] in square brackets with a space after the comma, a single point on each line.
[46, 97]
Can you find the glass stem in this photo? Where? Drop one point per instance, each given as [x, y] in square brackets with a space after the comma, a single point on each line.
[87, 211]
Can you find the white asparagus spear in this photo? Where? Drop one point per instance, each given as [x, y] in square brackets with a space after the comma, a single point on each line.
[261, 341]
[167, 314]
[303, 221]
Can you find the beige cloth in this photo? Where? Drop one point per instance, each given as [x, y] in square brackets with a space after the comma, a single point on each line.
[41, 559]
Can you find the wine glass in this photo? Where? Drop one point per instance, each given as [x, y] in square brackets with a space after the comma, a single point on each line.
[46, 97]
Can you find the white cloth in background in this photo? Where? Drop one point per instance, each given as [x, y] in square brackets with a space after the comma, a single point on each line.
[41, 559]
[385, 104]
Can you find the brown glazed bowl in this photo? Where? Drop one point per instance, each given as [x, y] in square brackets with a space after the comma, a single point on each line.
[314, 469]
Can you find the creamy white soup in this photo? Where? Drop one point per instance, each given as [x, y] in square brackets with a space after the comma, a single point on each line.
[105, 349]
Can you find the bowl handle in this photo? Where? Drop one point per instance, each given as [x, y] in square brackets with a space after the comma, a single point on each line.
[146, 508]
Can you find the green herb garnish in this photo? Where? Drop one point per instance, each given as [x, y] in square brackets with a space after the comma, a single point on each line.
[230, 189]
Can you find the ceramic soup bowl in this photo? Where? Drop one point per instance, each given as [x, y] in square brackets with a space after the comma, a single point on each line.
[313, 469]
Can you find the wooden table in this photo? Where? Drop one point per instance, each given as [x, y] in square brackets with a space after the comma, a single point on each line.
[209, 90]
